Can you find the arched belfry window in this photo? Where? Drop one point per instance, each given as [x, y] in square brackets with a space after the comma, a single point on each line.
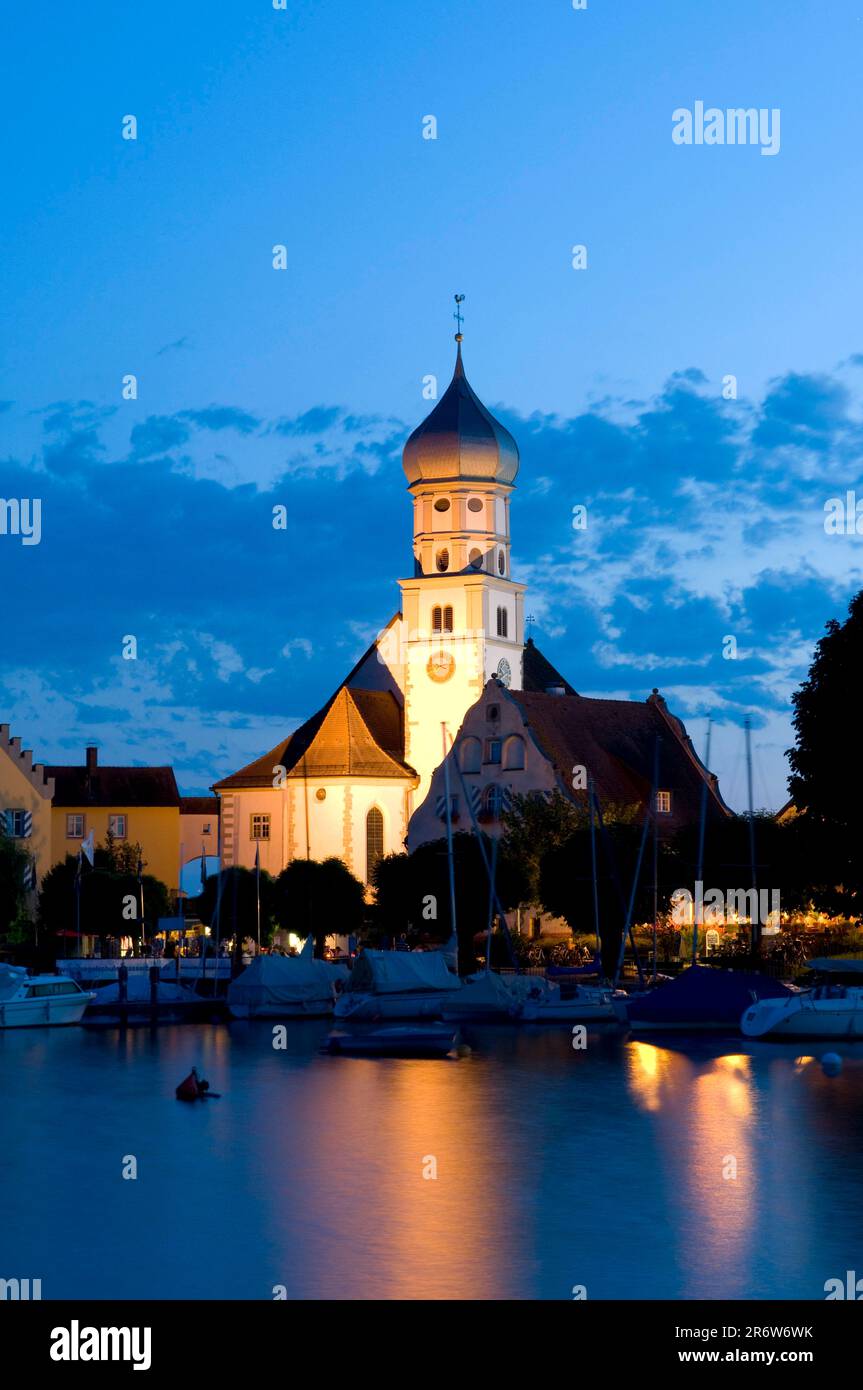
[442, 560]
[374, 840]
[501, 622]
[447, 619]
[437, 620]
[501, 562]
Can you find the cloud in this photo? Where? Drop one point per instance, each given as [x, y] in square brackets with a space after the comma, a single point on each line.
[705, 519]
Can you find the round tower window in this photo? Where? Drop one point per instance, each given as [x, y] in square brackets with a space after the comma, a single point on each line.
[442, 560]
[474, 504]
[442, 504]
[321, 794]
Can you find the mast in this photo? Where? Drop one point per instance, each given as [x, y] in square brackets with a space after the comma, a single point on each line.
[590, 797]
[490, 904]
[449, 836]
[699, 870]
[755, 926]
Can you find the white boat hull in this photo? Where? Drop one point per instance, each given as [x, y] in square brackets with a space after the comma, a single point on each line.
[806, 1017]
[55, 1012]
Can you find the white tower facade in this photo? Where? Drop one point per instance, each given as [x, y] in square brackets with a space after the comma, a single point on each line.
[463, 616]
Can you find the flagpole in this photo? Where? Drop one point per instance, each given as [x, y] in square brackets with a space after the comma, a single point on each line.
[78, 909]
[258, 889]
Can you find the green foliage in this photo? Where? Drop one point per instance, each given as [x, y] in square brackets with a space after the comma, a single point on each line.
[532, 828]
[103, 889]
[318, 896]
[413, 891]
[827, 761]
[234, 890]
[13, 864]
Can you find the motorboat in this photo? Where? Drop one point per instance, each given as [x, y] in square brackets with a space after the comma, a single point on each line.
[287, 986]
[36, 1001]
[831, 1008]
[397, 985]
[702, 999]
[394, 1042]
[578, 1004]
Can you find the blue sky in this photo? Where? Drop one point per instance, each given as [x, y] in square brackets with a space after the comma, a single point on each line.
[255, 386]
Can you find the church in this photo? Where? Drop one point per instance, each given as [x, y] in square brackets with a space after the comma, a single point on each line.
[451, 677]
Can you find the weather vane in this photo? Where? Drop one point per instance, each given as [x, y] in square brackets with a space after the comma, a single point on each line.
[459, 300]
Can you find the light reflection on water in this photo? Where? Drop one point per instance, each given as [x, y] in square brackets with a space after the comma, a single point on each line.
[555, 1167]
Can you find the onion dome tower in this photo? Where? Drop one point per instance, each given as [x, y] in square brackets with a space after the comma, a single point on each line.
[463, 615]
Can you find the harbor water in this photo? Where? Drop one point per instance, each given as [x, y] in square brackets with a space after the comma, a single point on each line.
[698, 1168]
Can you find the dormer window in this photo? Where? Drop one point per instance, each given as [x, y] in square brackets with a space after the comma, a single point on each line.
[442, 561]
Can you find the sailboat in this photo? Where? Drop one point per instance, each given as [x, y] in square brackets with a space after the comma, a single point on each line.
[703, 998]
[831, 1008]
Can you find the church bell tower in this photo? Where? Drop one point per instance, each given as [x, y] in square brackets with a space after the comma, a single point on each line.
[463, 616]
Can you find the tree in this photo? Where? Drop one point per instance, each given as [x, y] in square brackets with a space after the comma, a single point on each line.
[235, 892]
[827, 760]
[109, 896]
[412, 891]
[566, 880]
[534, 826]
[318, 896]
[13, 865]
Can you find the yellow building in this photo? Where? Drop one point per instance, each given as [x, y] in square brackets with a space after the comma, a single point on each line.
[25, 801]
[139, 805]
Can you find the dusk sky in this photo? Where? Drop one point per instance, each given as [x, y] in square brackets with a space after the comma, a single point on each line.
[256, 386]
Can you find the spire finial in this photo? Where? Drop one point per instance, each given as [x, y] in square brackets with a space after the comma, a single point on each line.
[459, 300]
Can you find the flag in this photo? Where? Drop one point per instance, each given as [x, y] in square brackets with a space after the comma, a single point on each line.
[88, 847]
[203, 866]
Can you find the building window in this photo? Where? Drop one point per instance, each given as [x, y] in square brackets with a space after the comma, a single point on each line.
[442, 560]
[442, 504]
[501, 562]
[374, 840]
[494, 712]
[475, 559]
[437, 619]
[117, 827]
[206, 829]
[474, 504]
[491, 801]
[501, 622]
[16, 824]
[663, 803]
[492, 750]
[470, 755]
[447, 620]
[75, 827]
[260, 827]
[513, 754]
[321, 794]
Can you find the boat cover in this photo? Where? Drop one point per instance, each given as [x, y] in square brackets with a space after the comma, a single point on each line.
[138, 992]
[401, 972]
[484, 990]
[836, 965]
[286, 980]
[704, 995]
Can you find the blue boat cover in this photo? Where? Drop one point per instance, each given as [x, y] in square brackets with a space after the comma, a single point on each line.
[704, 995]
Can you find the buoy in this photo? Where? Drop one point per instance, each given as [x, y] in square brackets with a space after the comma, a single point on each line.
[831, 1064]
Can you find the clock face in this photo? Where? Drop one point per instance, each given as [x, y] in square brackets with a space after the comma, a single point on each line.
[440, 666]
[504, 672]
